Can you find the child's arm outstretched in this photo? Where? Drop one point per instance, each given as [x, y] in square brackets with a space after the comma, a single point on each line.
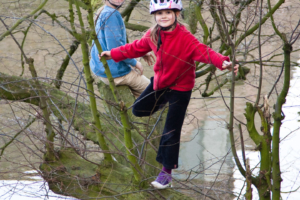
[107, 56]
[137, 48]
[202, 53]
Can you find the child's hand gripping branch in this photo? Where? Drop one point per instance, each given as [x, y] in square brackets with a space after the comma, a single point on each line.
[228, 65]
[138, 66]
[106, 54]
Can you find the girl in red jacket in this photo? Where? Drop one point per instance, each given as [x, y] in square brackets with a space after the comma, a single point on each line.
[176, 51]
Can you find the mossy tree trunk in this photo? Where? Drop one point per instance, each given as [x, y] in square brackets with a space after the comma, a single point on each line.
[278, 117]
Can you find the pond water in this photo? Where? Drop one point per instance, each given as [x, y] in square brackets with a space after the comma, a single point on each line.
[289, 146]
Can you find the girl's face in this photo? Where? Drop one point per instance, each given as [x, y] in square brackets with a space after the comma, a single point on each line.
[165, 18]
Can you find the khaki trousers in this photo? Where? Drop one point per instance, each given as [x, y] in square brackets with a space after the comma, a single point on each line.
[136, 82]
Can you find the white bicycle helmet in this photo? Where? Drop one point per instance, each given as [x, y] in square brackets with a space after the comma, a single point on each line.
[156, 5]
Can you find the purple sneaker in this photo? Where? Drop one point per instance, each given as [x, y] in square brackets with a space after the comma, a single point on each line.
[162, 181]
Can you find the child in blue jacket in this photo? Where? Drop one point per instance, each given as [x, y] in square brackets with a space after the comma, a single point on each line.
[111, 33]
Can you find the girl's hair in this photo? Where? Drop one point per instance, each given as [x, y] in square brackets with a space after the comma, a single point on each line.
[153, 32]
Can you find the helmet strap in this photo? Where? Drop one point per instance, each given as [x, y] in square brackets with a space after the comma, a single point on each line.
[117, 6]
[159, 42]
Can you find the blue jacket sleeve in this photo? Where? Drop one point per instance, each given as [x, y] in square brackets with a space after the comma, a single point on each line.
[115, 34]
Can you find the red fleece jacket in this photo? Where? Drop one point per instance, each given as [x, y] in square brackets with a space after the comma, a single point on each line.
[175, 60]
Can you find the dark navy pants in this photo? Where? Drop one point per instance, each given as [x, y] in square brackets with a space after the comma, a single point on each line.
[148, 103]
